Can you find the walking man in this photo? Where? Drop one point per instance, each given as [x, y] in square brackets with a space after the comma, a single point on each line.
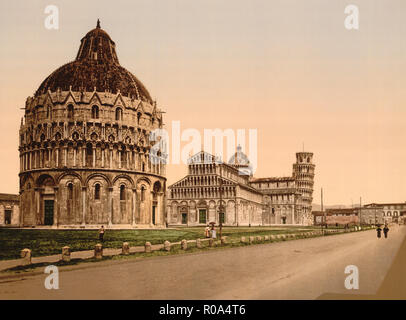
[386, 230]
[378, 231]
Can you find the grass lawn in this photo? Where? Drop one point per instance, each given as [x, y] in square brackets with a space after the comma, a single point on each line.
[47, 242]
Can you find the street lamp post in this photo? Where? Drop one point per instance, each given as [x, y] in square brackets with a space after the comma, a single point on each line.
[221, 204]
[324, 220]
[360, 211]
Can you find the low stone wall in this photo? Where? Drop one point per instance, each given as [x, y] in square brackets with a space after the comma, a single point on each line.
[185, 245]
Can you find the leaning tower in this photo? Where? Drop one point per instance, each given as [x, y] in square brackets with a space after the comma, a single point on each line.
[303, 172]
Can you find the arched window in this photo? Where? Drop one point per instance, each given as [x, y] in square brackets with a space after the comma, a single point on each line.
[95, 112]
[70, 111]
[123, 158]
[97, 191]
[119, 114]
[122, 192]
[70, 191]
[89, 155]
[142, 193]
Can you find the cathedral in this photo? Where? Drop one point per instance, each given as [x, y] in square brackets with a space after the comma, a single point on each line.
[227, 193]
[84, 145]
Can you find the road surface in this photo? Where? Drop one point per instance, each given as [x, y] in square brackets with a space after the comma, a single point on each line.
[297, 269]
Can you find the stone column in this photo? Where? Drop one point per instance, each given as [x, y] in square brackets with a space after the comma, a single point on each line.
[158, 211]
[111, 157]
[110, 205]
[74, 156]
[65, 157]
[37, 205]
[94, 156]
[119, 158]
[57, 158]
[134, 206]
[83, 206]
[102, 159]
[56, 211]
[49, 157]
[31, 159]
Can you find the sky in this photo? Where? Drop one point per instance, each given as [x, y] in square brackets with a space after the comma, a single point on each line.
[288, 68]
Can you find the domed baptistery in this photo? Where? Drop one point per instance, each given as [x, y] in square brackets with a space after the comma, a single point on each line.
[85, 146]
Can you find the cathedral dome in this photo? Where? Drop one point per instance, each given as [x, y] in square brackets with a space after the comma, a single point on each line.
[240, 161]
[96, 66]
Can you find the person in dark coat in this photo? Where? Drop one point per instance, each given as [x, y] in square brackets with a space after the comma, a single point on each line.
[378, 231]
[101, 234]
[386, 230]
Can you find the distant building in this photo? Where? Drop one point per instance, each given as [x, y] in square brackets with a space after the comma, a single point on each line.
[195, 199]
[390, 212]
[373, 213]
[336, 217]
[9, 210]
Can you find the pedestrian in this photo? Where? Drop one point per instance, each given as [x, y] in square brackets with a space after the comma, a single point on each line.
[386, 230]
[207, 232]
[101, 234]
[213, 232]
[378, 231]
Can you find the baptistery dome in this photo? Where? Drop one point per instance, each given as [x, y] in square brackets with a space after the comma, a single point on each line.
[96, 67]
[86, 156]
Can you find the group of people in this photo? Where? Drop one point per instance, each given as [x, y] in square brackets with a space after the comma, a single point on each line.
[379, 231]
[210, 232]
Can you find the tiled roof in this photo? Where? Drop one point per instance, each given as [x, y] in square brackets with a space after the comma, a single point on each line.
[96, 66]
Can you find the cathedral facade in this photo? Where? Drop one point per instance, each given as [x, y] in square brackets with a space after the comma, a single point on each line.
[85, 157]
[214, 191]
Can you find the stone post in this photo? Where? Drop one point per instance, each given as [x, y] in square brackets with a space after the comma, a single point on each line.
[147, 246]
[126, 248]
[66, 254]
[25, 257]
[251, 239]
[183, 244]
[211, 242]
[223, 240]
[198, 244]
[243, 240]
[98, 251]
[167, 246]
[266, 238]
